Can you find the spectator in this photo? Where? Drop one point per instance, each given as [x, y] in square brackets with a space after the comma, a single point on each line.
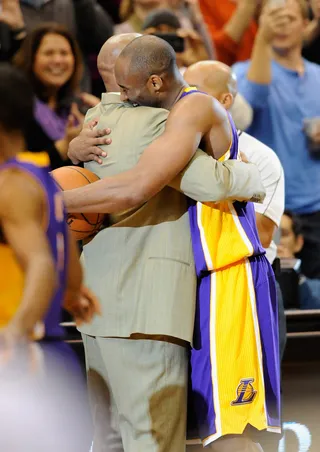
[312, 34]
[291, 243]
[283, 90]
[134, 13]
[83, 18]
[51, 59]
[163, 21]
[232, 26]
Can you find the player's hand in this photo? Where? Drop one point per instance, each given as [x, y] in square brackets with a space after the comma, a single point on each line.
[10, 338]
[85, 147]
[84, 306]
[15, 347]
[243, 157]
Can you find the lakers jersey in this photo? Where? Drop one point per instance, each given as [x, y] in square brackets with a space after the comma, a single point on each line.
[234, 361]
[11, 274]
[223, 233]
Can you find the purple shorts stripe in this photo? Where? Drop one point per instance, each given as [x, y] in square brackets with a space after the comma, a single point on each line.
[268, 322]
[199, 258]
[201, 399]
[246, 215]
[202, 416]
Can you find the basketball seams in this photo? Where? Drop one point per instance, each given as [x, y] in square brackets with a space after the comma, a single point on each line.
[82, 174]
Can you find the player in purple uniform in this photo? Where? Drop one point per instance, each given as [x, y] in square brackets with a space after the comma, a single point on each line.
[40, 270]
[40, 273]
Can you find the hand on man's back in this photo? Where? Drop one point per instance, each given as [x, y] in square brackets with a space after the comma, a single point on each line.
[85, 147]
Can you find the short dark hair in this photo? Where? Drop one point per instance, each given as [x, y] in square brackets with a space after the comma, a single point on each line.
[149, 55]
[25, 57]
[16, 94]
[161, 17]
[296, 223]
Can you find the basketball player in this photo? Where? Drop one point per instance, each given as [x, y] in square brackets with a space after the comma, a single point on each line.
[40, 268]
[235, 364]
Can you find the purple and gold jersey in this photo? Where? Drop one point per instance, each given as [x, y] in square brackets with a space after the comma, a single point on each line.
[36, 165]
[235, 356]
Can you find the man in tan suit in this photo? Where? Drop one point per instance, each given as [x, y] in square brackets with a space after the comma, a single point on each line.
[142, 269]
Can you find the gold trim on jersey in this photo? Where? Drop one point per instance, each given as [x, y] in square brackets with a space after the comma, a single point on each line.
[36, 158]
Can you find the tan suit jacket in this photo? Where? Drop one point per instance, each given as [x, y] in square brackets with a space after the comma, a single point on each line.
[142, 267]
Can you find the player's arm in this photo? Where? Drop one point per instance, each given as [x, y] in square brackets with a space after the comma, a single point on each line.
[158, 165]
[79, 300]
[22, 213]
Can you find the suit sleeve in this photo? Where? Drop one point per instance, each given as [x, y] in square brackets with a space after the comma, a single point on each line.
[207, 180]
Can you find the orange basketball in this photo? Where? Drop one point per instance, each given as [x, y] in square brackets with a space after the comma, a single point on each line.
[82, 225]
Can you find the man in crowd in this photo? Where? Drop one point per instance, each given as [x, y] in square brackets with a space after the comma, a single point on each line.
[281, 87]
[291, 243]
[147, 289]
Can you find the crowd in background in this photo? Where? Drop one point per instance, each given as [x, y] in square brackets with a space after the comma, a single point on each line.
[56, 43]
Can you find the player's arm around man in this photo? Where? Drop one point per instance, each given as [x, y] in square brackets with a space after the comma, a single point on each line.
[183, 134]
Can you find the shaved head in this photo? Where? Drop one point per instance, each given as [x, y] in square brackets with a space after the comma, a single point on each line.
[108, 55]
[146, 71]
[149, 55]
[214, 78]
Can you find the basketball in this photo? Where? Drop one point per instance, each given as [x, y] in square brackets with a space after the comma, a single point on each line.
[82, 225]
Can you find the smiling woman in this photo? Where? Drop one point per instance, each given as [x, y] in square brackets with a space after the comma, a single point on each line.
[50, 57]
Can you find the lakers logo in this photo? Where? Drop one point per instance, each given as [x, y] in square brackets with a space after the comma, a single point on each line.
[245, 392]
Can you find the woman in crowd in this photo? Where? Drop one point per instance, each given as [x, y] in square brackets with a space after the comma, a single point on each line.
[51, 59]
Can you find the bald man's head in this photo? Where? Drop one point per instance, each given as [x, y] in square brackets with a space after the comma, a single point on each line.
[214, 78]
[146, 70]
[108, 55]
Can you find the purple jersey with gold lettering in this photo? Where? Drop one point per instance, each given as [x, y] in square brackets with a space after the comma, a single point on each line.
[36, 165]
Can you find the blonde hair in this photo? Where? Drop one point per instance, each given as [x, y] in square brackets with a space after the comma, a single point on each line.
[126, 9]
